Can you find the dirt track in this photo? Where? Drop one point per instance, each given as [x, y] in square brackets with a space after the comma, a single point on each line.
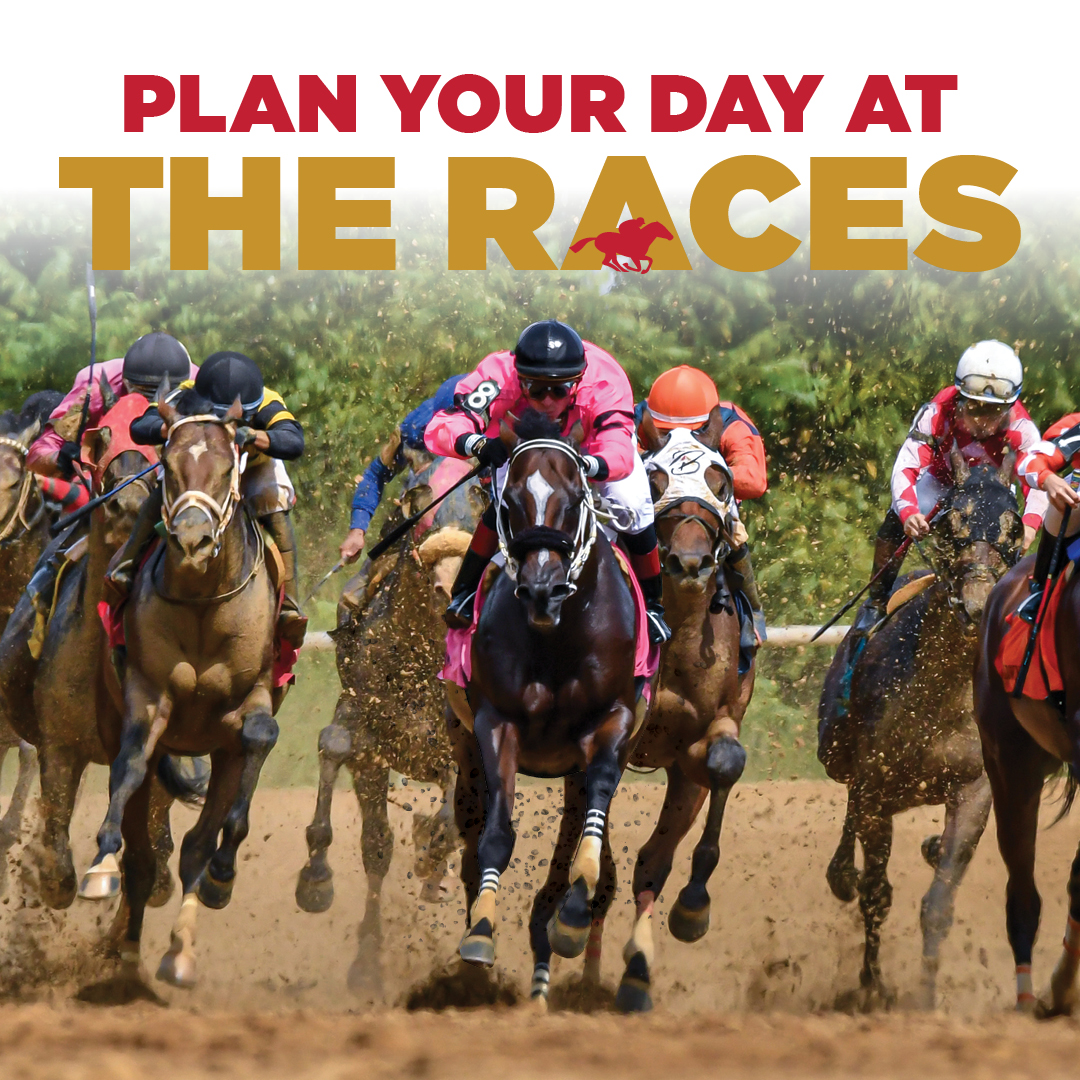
[780, 943]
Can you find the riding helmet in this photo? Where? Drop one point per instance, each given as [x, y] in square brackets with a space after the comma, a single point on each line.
[226, 376]
[990, 371]
[682, 397]
[549, 350]
[152, 357]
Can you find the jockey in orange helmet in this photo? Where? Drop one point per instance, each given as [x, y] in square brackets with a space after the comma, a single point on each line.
[684, 397]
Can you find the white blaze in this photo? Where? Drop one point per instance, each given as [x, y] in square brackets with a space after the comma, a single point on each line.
[541, 491]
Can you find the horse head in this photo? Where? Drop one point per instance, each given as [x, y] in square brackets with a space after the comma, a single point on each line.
[546, 521]
[17, 432]
[693, 496]
[202, 469]
[977, 533]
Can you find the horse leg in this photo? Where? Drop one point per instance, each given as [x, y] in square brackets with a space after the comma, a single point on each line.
[434, 839]
[1064, 993]
[1016, 796]
[162, 841]
[605, 897]
[875, 831]
[498, 745]
[61, 769]
[688, 919]
[177, 967]
[315, 885]
[11, 822]
[143, 725]
[682, 801]
[469, 794]
[842, 876]
[140, 869]
[965, 818]
[370, 782]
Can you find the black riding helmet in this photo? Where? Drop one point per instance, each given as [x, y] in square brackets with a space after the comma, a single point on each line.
[226, 376]
[151, 358]
[549, 350]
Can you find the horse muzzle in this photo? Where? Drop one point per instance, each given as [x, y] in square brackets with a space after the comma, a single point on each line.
[543, 602]
[195, 536]
[689, 570]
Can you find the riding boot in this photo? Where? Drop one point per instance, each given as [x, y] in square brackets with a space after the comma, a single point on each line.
[120, 576]
[652, 589]
[874, 609]
[292, 624]
[1029, 608]
[644, 555]
[484, 544]
[752, 627]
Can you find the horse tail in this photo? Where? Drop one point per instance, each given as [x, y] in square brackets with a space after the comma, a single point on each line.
[581, 243]
[186, 784]
[1072, 785]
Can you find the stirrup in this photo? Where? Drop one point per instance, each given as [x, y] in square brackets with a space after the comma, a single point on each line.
[292, 627]
[659, 631]
[459, 612]
[1029, 607]
[868, 617]
[118, 584]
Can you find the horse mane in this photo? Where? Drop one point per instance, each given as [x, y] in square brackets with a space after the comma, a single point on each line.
[191, 403]
[535, 425]
[38, 406]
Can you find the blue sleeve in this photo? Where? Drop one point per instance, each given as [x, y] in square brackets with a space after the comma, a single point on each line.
[639, 414]
[414, 425]
[368, 493]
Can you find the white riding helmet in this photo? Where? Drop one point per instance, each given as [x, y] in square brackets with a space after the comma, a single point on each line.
[990, 371]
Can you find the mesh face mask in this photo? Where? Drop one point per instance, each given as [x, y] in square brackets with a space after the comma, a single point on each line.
[684, 460]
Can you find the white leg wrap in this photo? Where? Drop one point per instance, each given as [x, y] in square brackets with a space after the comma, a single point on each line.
[489, 880]
[1025, 990]
[594, 824]
[541, 981]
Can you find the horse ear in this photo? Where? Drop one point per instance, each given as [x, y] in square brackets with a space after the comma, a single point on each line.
[96, 443]
[165, 410]
[1008, 467]
[960, 468]
[108, 398]
[508, 436]
[648, 436]
[713, 430]
[29, 433]
[577, 435]
[236, 410]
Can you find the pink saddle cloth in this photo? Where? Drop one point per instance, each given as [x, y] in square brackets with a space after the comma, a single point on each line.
[458, 666]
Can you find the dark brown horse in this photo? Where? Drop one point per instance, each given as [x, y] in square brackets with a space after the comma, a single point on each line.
[693, 727]
[1024, 741]
[896, 725]
[198, 679]
[552, 694]
[391, 712]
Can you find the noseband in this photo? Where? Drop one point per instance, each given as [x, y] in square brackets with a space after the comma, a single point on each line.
[218, 514]
[18, 514]
[577, 547]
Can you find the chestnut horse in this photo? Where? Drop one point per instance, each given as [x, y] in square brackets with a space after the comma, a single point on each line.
[390, 641]
[1024, 741]
[896, 725]
[198, 678]
[552, 694]
[693, 726]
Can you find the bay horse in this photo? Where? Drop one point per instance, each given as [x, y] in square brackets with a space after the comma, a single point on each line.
[896, 724]
[198, 679]
[1024, 741]
[694, 724]
[552, 693]
[24, 532]
[391, 712]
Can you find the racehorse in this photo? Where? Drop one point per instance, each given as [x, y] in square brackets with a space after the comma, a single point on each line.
[198, 679]
[552, 693]
[390, 715]
[693, 726]
[895, 720]
[24, 532]
[629, 244]
[1024, 741]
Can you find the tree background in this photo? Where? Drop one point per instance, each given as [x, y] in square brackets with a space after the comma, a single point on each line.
[831, 366]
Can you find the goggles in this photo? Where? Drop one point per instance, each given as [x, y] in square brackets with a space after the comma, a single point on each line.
[538, 389]
[987, 389]
[248, 410]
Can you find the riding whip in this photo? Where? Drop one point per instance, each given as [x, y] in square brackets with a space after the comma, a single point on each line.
[91, 299]
[69, 519]
[339, 565]
[1051, 578]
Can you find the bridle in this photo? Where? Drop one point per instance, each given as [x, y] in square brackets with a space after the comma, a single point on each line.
[218, 514]
[579, 546]
[17, 516]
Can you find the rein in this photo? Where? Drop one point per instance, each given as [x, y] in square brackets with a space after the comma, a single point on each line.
[578, 547]
[257, 564]
[18, 514]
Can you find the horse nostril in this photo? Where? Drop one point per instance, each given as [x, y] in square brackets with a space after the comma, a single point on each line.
[674, 565]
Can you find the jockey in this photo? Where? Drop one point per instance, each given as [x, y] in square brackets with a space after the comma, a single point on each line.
[271, 435]
[1060, 447]
[553, 371]
[683, 397]
[388, 463]
[981, 414]
[140, 370]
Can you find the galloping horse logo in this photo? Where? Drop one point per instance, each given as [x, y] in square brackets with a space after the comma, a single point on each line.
[625, 250]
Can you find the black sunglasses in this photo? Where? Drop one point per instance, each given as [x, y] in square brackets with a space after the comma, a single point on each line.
[538, 389]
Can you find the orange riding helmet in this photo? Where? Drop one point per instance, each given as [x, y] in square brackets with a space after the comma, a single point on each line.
[682, 397]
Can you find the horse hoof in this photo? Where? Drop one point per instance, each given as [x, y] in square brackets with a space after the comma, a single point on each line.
[478, 946]
[843, 880]
[102, 880]
[688, 925]
[164, 887]
[633, 995]
[213, 893]
[931, 851]
[178, 969]
[61, 894]
[539, 1003]
[312, 895]
[568, 930]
